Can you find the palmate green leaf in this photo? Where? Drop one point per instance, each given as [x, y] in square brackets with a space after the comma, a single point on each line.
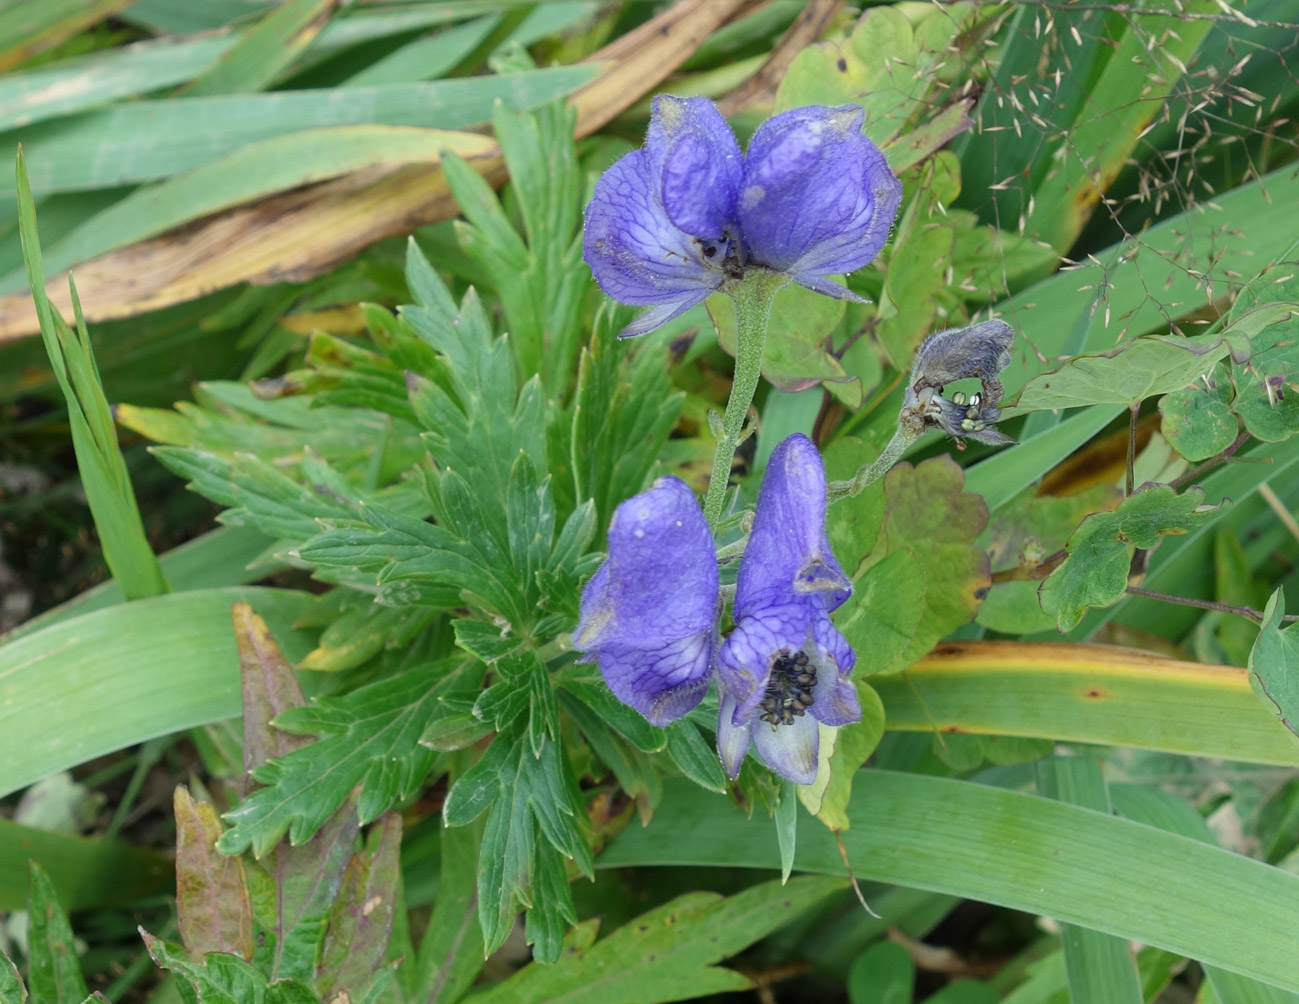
[364, 629]
[256, 493]
[1020, 851]
[1274, 664]
[636, 773]
[695, 755]
[1101, 968]
[624, 408]
[124, 665]
[1142, 368]
[53, 969]
[147, 140]
[99, 458]
[1184, 565]
[584, 682]
[12, 989]
[1267, 385]
[1095, 574]
[1023, 534]
[795, 356]
[667, 954]
[1197, 420]
[929, 526]
[370, 737]
[543, 282]
[916, 278]
[480, 421]
[526, 793]
[223, 979]
[987, 261]
[850, 70]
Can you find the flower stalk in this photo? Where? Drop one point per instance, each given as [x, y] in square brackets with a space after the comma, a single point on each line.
[753, 296]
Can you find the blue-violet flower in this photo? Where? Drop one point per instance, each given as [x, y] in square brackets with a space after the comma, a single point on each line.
[649, 614]
[671, 222]
[785, 666]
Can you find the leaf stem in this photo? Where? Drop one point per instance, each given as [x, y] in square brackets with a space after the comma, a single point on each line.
[752, 296]
[1249, 612]
[1222, 458]
[872, 472]
[1132, 447]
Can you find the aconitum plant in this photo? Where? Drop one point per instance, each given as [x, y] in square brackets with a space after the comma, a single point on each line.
[688, 215]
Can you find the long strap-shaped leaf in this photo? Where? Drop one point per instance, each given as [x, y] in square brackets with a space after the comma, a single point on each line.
[1020, 851]
[1087, 693]
[115, 677]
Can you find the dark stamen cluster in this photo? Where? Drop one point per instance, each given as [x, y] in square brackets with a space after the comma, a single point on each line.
[789, 688]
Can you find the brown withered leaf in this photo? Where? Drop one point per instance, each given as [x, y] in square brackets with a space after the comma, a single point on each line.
[297, 235]
[212, 904]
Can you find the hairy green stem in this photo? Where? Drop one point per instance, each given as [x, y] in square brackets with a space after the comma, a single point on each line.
[872, 472]
[752, 295]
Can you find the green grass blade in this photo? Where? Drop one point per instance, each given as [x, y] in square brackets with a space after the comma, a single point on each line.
[86, 873]
[1101, 967]
[215, 560]
[257, 170]
[182, 17]
[266, 50]
[147, 140]
[1190, 259]
[1148, 60]
[138, 670]
[27, 29]
[426, 58]
[1019, 851]
[1008, 472]
[96, 80]
[99, 459]
[1158, 808]
[1088, 694]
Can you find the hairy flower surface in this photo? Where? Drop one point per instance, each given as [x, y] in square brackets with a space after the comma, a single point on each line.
[671, 222]
[785, 666]
[981, 351]
[648, 615]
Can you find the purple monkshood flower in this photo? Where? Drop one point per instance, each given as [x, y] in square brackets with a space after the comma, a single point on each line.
[784, 668]
[649, 615]
[671, 222]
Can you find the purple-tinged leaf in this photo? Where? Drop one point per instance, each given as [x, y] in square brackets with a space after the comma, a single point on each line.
[294, 889]
[269, 688]
[362, 918]
[212, 903]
